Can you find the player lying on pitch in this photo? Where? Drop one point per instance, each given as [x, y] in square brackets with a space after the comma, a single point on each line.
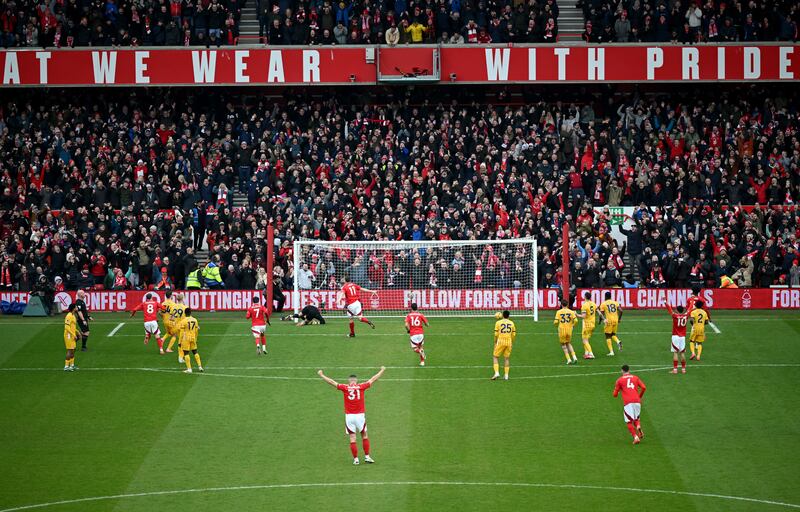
[355, 420]
[309, 315]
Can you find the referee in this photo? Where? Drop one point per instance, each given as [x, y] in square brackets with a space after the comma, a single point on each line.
[82, 317]
[309, 315]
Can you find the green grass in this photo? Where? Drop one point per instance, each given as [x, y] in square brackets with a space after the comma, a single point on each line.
[255, 428]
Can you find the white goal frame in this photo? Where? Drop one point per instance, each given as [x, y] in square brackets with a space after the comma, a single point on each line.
[404, 244]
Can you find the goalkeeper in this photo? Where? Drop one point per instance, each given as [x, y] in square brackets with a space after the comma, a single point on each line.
[309, 315]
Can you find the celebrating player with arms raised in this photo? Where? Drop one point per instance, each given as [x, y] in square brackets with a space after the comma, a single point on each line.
[150, 309]
[632, 389]
[259, 318]
[355, 420]
[352, 299]
[679, 320]
[415, 327]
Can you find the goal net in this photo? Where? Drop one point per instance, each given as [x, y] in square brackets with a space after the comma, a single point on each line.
[444, 278]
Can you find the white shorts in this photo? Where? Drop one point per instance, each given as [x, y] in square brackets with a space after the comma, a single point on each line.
[354, 309]
[152, 328]
[258, 330]
[354, 423]
[417, 340]
[631, 412]
[678, 344]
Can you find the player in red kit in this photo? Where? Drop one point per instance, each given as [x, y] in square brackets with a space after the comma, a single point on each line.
[355, 420]
[150, 308]
[679, 320]
[415, 327]
[632, 389]
[259, 318]
[352, 296]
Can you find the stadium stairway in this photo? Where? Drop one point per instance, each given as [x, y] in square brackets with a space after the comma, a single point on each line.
[570, 22]
[248, 23]
[631, 267]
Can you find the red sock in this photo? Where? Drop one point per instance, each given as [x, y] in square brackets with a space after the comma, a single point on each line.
[257, 340]
[364, 320]
[365, 444]
[264, 340]
[631, 429]
[352, 327]
[637, 424]
[675, 364]
[354, 450]
[160, 342]
[683, 363]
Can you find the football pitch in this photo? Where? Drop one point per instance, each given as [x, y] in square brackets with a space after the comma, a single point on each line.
[129, 431]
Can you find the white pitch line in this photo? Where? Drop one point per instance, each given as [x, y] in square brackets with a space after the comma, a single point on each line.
[714, 327]
[325, 485]
[117, 328]
[211, 373]
[307, 334]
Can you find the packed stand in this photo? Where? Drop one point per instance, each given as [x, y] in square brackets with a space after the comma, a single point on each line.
[79, 23]
[407, 22]
[690, 22]
[122, 189]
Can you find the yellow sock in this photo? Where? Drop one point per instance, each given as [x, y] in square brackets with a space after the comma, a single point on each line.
[616, 340]
[505, 370]
[699, 350]
[610, 346]
[188, 361]
[172, 340]
[180, 352]
[72, 362]
[197, 358]
[568, 358]
[587, 347]
[691, 347]
[66, 363]
[496, 367]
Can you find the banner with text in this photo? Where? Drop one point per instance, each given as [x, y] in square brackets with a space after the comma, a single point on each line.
[443, 299]
[359, 65]
[714, 298]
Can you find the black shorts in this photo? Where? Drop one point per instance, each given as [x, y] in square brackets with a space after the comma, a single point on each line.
[83, 327]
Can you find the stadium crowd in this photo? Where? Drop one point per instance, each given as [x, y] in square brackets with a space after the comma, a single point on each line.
[122, 189]
[695, 21]
[79, 23]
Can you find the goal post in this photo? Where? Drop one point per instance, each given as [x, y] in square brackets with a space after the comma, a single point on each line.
[444, 278]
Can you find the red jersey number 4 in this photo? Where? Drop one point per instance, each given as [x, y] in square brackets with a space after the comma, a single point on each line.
[629, 386]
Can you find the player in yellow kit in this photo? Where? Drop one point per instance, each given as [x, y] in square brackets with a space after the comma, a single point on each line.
[70, 338]
[188, 329]
[589, 315]
[611, 312]
[505, 332]
[166, 317]
[699, 318]
[566, 320]
[178, 308]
